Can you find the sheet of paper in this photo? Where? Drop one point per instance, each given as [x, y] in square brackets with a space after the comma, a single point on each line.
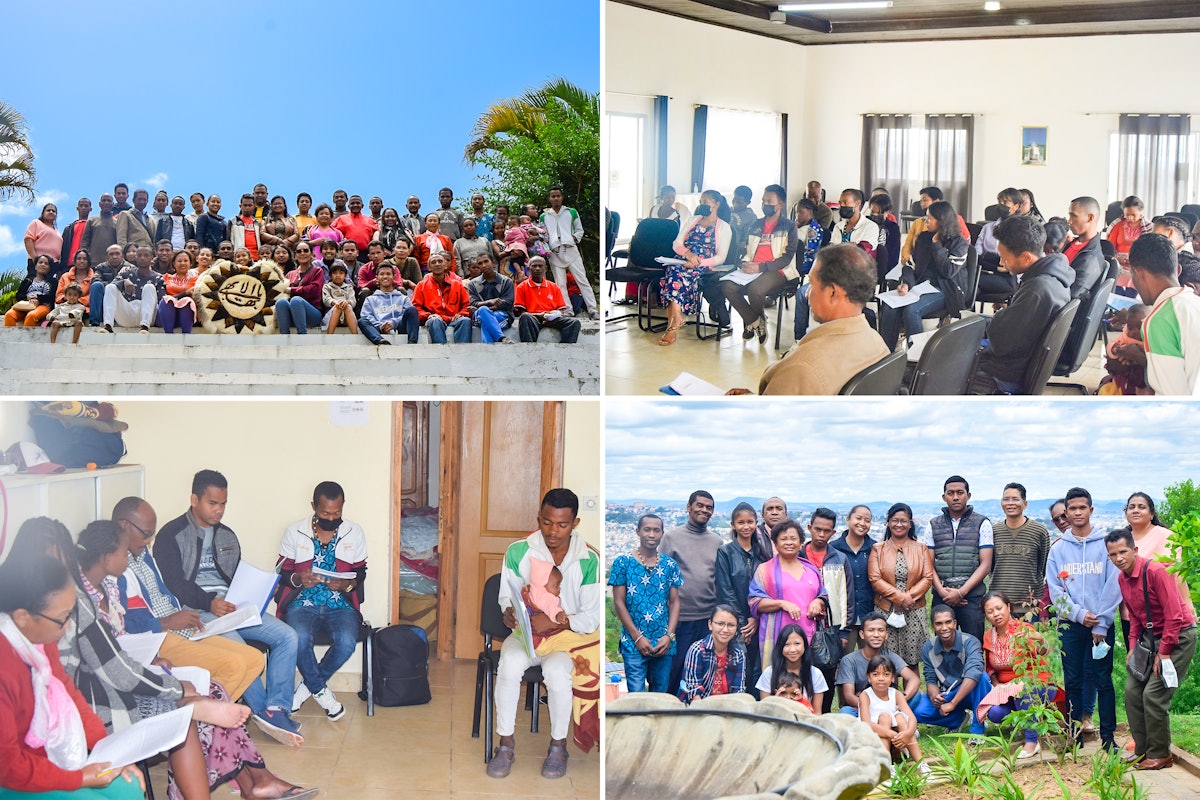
[348, 413]
[524, 627]
[687, 384]
[328, 573]
[1120, 301]
[664, 260]
[252, 586]
[245, 617]
[143, 739]
[196, 676]
[141, 647]
[897, 300]
[917, 345]
[740, 277]
[894, 273]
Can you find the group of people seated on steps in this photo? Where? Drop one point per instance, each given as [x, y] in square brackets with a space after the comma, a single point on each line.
[67, 682]
[378, 272]
[704, 614]
[1030, 267]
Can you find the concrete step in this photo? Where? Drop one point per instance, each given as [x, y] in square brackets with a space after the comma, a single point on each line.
[313, 364]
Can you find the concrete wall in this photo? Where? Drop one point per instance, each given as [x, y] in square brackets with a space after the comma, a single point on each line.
[1074, 86]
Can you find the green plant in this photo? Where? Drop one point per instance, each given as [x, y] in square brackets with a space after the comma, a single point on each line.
[1184, 547]
[9, 281]
[612, 632]
[17, 174]
[907, 781]
[1009, 789]
[959, 765]
[1062, 785]
[1180, 500]
[1112, 778]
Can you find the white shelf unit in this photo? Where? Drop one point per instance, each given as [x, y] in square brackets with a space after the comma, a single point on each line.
[74, 498]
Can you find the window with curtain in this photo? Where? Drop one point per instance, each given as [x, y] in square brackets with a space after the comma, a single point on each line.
[732, 147]
[1154, 156]
[904, 153]
[635, 143]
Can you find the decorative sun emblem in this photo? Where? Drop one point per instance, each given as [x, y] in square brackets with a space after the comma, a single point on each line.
[237, 299]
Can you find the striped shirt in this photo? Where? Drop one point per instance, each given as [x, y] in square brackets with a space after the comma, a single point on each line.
[1019, 563]
[1171, 334]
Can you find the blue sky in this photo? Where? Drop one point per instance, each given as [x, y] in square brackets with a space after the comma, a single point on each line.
[218, 96]
[845, 452]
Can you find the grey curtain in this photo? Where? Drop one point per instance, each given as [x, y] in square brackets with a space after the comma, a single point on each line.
[699, 138]
[885, 154]
[949, 141]
[660, 124]
[1152, 159]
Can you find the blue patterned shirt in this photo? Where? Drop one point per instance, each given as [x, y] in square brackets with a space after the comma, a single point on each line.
[646, 595]
[321, 596]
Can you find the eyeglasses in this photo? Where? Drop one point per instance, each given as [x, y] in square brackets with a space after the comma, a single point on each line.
[1059, 518]
[145, 534]
[724, 625]
[61, 623]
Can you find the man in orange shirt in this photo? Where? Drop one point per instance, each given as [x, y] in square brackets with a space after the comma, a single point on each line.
[442, 302]
[356, 226]
[539, 303]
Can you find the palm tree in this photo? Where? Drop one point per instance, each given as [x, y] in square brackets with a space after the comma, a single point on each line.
[17, 175]
[521, 116]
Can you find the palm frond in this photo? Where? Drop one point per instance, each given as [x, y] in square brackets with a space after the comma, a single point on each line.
[521, 116]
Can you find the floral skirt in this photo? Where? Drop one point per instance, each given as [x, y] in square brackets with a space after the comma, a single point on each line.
[681, 284]
[226, 750]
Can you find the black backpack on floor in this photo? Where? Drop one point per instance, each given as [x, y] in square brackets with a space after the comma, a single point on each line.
[401, 666]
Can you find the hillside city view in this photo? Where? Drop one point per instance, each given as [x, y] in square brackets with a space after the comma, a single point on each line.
[620, 517]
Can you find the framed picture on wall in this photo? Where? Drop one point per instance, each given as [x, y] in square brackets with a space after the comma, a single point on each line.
[1033, 147]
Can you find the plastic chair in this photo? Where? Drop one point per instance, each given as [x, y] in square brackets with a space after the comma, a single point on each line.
[1083, 334]
[1045, 353]
[491, 625]
[651, 239]
[948, 360]
[881, 378]
[1191, 208]
[1113, 212]
[610, 239]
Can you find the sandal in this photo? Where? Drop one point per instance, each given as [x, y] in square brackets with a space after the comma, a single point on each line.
[555, 765]
[297, 793]
[668, 338]
[501, 763]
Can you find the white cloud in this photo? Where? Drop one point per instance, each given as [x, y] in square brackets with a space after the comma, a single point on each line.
[10, 244]
[156, 181]
[31, 209]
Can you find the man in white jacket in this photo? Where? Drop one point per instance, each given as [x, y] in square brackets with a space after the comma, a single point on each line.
[563, 232]
[581, 596]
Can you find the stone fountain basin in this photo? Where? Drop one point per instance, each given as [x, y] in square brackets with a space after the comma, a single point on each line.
[736, 748]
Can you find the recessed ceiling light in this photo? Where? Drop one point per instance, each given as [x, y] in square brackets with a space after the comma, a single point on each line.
[991, 5]
[851, 5]
[778, 17]
[1021, 21]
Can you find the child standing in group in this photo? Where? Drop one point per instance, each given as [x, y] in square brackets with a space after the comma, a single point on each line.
[68, 313]
[339, 297]
[790, 659]
[888, 713]
[646, 589]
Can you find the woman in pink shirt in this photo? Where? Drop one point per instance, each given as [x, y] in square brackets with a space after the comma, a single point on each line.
[1150, 538]
[43, 239]
[177, 306]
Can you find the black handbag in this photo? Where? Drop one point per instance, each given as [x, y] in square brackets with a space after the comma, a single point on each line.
[826, 645]
[1144, 651]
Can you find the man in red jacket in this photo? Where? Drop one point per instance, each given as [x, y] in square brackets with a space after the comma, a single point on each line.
[442, 303]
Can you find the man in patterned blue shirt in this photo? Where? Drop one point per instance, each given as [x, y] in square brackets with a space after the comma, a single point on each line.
[646, 598]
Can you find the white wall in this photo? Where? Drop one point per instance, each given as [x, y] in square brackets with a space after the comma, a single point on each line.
[1074, 86]
[655, 54]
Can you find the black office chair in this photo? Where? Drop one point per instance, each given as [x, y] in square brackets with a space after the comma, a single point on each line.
[992, 212]
[1191, 208]
[974, 228]
[1113, 212]
[1046, 351]
[1114, 270]
[491, 625]
[1187, 216]
[948, 360]
[652, 238]
[708, 325]
[881, 378]
[1083, 334]
[1107, 248]
[610, 240]
[788, 291]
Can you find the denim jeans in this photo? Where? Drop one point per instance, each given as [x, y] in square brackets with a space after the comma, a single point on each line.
[800, 327]
[408, 323]
[890, 318]
[96, 302]
[460, 329]
[639, 669]
[929, 714]
[342, 625]
[279, 637]
[686, 633]
[1077, 663]
[998, 714]
[969, 617]
[297, 312]
[492, 323]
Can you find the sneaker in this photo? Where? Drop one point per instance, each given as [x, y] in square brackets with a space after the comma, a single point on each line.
[107, 328]
[326, 700]
[750, 330]
[145, 329]
[761, 330]
[923, 768]
[302, 695]
[505, 340]
[275, 722]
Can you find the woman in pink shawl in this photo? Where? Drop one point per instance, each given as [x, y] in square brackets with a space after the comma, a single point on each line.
[785, 589]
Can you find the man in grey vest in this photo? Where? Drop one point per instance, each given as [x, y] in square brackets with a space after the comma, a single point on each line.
[961, 540]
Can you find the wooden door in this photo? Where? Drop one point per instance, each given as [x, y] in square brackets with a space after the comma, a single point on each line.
[498, 460]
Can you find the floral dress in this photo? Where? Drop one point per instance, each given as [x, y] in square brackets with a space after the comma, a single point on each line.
[907, 642]
[681, 283]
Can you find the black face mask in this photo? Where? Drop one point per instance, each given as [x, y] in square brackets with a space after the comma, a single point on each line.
[768, 210]
[703, 210]
[329, 524]
[845, 212]
[876, 218]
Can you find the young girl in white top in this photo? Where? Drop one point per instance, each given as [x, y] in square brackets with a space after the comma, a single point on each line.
[790, 656]
[887, 711]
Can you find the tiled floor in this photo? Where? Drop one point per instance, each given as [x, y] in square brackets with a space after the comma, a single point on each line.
[635, 364]
[415, 752]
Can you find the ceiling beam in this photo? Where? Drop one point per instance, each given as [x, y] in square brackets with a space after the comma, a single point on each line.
[761, 12]
[1076, 15]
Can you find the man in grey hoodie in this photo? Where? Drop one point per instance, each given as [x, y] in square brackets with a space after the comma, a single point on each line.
[1044, 289]
[1084, 593]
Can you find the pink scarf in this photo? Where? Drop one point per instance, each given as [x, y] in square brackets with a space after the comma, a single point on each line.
[56, 724]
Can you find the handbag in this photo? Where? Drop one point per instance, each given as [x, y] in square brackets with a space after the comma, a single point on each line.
[1144, 652]
[826, 643]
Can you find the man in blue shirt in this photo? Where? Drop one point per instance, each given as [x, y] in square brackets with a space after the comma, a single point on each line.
[955, 681]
